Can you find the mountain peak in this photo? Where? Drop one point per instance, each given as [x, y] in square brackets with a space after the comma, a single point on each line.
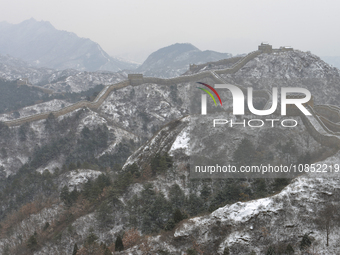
[33, 22]
[174, 60]
[41, 44]
[187, 46]
[177, 47]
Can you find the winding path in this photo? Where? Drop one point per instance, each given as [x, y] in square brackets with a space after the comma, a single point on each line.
[319, 125]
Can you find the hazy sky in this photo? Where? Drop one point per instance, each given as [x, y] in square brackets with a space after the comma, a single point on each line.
[135, 28]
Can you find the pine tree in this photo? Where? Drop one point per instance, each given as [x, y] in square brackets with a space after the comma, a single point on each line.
[168, 159]
[155, 163]
[226, 251]
[75, 249]
[88, 189]
[64, 193]
[169, 225]
[46, 226]
[271, 251]
[50, 122]
[65, 196]
[104, 249]
[305, 242]
[32, 242]
[119, 244]
[91, 238]
[23, 132]
[245, 152]
[6, 250]
[107, 251]
[178, 216]
[134, 170]
[176, 196]
[163, 165]
[72, 166]
[205, 192]
[74, 195]
[191, 251]
[195, 204]
[104, 216]
[289, 250]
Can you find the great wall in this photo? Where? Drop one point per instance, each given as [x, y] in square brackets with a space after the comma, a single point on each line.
[323, 124]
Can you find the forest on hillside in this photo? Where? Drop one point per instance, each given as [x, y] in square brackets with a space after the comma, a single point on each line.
[14, 97]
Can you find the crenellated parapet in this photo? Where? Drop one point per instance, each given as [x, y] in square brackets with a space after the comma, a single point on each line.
[136, 79]
[23, 81]
[265, 48]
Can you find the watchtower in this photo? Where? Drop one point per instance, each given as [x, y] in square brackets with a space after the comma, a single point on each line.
[193, 67]
[286, 48]
[136, 79]
[23, 81]
[266, 48]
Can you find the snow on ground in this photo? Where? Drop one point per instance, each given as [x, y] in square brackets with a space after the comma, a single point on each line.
[92, 120]
[51, 166]
[292, 212]
[181, 142]
[24, 229]
[119, 134]
[52, 105]
[75, 178]
[244, 211]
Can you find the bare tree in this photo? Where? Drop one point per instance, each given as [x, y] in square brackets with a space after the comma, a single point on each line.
[327, 219]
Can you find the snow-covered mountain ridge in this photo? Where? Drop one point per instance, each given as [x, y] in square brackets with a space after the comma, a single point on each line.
[281, 219]
[68, 80]
[154, 113]
[246, 66]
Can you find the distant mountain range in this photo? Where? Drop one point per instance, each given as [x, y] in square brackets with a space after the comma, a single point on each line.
[40, 44]
[174, 60]
[166, 62]
[35, 49]
[68, 80]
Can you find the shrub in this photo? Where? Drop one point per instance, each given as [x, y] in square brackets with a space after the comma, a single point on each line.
[119, 244]
[305, 243]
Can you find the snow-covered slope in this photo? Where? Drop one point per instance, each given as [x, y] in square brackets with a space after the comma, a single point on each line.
[281, 218]
[49, 106]
[290, 69]
[156, 116]
[69, 80]
[75, 81]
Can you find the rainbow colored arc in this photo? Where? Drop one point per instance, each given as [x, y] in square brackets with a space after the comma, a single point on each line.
[209, 93]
